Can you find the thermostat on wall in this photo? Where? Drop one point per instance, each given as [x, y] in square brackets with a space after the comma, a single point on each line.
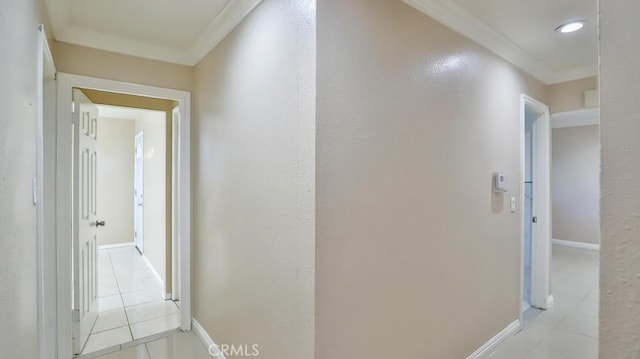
[500, 182]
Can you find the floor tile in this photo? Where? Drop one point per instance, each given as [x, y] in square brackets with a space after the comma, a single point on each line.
[138, 352]
[110, 303]
[182, 345]
[110, 320]
[155, 326]
[566, 345]
[140, 297]
[522, 343]
[147, 311]
[107, 339]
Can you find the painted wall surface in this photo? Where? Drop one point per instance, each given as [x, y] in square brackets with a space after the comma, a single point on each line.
[569, 96]
[416, 257]
[109, 65]
[115, 179]
[19, 21]
[253, 157]
[152, 125]
[620, 179]
[575, 182]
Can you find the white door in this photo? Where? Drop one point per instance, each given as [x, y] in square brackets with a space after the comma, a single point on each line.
[139, 193]
[86, 223]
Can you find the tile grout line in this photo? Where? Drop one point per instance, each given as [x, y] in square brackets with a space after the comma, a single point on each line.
[124, 308]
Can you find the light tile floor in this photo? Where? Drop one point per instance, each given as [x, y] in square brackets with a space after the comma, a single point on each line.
[179, 346]
[569, 330]
[130, 301]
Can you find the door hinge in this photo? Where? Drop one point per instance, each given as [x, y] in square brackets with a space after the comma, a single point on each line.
[75, 314]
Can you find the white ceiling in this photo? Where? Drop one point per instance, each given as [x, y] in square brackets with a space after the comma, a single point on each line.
[523, 32]
[126, 113]
[184, 31]
[178, 31]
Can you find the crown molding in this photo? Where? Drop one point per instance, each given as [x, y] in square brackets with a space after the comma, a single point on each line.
[230, 16]
[461, 21]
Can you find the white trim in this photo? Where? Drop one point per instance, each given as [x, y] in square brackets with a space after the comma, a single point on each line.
[490, 346]
[461, 21]
[583, 117]
[63, 190]
[575, 244]
[541, 239]
[117, 245]
[205, 338]
[45, 175]
[231, 15]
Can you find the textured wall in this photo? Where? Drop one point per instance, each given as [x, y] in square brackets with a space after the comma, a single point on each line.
[575, 181]
[115, 179]
[86, 61]
[19, 21]
[620, 180]
[152, 125]
[416, 256]
[569, 96]
[253, 158]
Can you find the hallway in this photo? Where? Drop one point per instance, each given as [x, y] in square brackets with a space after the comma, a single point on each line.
[130, 302]
[570, 329]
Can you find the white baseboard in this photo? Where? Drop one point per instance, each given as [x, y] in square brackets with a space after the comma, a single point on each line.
[205, 338]
[489, 347]
[574, 244]
[157, 275]
[117, 245]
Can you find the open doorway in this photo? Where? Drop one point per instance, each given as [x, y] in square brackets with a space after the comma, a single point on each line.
[122, 277]
[117, 293]
[535, 204]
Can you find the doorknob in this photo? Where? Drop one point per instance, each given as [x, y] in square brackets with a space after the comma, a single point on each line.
[100, 223]
[535, 219]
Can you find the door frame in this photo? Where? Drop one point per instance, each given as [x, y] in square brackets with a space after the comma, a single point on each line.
[63, 295]
[540, 250]
[138, 228]
[44, 194]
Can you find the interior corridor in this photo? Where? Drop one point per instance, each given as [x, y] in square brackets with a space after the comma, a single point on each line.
[570, 329]
[130, 301]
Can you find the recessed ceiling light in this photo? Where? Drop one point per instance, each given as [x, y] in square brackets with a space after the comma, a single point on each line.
[570, 27]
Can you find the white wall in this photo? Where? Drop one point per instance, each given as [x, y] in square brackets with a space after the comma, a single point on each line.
[18, 266]
[115, 179]
[253, 184]
[620, 179]
[152, 124]
[416, 257]
[575, 176]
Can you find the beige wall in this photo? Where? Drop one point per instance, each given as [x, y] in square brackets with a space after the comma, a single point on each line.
[108, 65]
[19, 21]
[620, 179]
[152, 125]
[575, 174]
[569, 96]
[253, 158]
[115, 179]
[416, 257]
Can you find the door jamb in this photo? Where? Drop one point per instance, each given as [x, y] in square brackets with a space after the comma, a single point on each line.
[540, 250]
[62, 299]
[44, 191]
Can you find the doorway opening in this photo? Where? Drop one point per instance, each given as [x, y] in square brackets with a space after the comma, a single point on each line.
[133, 272]
[535, 202]
[118, 292]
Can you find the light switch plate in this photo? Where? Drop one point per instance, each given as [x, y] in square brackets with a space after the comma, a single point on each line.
[513, 204]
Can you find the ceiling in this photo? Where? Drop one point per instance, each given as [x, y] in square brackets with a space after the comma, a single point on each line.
[184, 31]
[178, 31]
[523, 32]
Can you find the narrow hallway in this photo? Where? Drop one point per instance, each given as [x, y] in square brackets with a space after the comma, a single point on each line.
[569, 329]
